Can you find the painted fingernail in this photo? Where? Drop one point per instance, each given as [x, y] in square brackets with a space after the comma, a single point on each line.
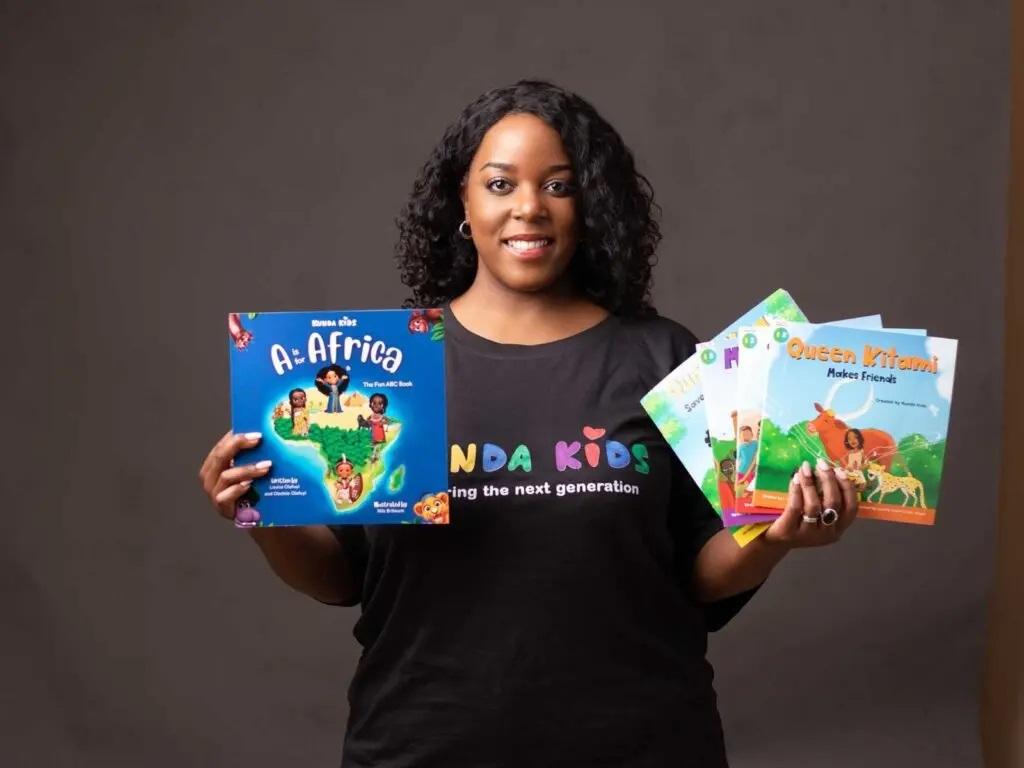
[822, 464]
[245, 483]
[806, 469]
[252, 435]
[840, 473]
[265, 464]
[796, 478]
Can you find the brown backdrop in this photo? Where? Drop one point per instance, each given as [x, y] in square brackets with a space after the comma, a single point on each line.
[1003, 695]
[162, 163]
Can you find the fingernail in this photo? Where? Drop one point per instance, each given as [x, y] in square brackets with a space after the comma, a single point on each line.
[245, 483]
[796, 478]
[265, 464]
[840, 473]
[253, 435]
[806, 469]
[822, 464]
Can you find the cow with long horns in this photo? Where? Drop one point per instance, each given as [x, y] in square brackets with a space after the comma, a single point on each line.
[877, 445]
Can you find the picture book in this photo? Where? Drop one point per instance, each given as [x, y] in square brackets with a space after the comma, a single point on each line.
[757, 350]
[875, 403]
[351, 407]
[734, 377]
[676, 405]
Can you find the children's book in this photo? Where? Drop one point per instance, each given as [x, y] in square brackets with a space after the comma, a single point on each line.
[720, 364]
[757, 349]
[875, 403]
[351, 406]
[676, 405]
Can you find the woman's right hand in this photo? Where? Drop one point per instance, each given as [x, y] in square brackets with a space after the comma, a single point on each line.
[226, 483]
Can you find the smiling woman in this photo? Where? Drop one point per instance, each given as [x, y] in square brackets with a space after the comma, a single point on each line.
[520, 207]
[532, 179]
[562, 617]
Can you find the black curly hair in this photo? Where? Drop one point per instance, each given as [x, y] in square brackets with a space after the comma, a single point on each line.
[615, 203]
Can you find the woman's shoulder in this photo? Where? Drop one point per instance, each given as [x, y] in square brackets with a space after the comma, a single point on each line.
[668, 341]
[654, 346]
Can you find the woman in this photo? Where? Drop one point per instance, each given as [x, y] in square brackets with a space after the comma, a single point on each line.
[564, 622]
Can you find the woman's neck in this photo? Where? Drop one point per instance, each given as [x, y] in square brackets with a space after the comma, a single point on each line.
[512, 317]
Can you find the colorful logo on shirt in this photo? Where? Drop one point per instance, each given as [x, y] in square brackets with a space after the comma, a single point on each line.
[594, 450]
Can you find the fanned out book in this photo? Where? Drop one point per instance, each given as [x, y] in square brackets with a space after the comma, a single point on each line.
[351, 406]
[734, 412]
[676, 405]
[760, 345]
[875, 403]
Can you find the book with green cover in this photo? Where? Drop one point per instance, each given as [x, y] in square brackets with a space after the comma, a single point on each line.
[676, 405]
[875, 403]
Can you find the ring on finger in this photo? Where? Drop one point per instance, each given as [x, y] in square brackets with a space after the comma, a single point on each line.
[829, 516]
[812, 519]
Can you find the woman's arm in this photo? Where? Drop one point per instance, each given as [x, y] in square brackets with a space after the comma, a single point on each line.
[723, 568]
[309, 559]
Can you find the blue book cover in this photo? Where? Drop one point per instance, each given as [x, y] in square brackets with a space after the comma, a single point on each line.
[351, 405]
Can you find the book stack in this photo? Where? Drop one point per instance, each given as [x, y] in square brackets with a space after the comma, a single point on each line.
[773, 390]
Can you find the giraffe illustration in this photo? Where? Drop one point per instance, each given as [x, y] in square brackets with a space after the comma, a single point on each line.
[912, 488]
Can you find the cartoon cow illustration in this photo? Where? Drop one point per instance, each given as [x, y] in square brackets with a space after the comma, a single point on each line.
[877, 445]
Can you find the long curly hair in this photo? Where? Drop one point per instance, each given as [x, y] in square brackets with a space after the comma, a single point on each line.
[615, 204]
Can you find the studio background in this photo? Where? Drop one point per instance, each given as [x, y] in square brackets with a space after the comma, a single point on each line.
[162, 164]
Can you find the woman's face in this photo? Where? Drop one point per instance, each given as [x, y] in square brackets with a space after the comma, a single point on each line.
[519, 198]
[852, 440]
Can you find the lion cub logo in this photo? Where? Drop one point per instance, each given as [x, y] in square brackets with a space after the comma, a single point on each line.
[433, 508]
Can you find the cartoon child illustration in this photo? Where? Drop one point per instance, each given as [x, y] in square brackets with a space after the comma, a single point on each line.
[348, 487]
[746, 453]
[726, 478]
[246, 515]
[853, 460]
[332, 380]
[377, 423]
[300, 416]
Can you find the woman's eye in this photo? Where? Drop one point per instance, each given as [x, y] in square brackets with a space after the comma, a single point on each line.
[501, 186]
[560, 188]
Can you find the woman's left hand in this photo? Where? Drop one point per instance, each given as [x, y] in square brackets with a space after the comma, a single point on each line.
[812, 519]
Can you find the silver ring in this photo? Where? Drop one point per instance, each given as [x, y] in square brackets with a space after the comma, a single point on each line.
[813, 520]
[829, 516]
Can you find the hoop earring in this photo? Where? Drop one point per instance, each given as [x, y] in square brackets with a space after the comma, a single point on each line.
[465, 231]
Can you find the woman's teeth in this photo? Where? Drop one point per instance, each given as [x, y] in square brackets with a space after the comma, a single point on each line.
[527, 245]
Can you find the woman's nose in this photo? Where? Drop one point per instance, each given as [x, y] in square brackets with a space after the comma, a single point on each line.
[529, 203]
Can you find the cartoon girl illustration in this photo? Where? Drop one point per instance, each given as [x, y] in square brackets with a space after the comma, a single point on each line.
[332, 380]
[300, 416]
[854, 442]
[853, 460]
[377, 423]
[348, 487]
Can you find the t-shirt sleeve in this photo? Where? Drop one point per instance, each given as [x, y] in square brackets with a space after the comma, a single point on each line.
[356, 547]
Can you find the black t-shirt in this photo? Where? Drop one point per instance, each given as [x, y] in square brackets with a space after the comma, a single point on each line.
[551, 622]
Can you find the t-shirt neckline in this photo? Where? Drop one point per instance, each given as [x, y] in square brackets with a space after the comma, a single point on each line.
[457, 332]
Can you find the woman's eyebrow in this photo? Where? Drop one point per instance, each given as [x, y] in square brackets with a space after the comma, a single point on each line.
[512, 167]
